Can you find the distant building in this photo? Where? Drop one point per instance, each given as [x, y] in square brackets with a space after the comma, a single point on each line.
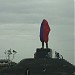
[3, 63]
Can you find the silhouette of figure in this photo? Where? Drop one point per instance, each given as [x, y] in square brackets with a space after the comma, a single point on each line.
[44, 32]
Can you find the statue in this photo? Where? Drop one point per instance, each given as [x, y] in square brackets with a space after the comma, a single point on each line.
[44, 32]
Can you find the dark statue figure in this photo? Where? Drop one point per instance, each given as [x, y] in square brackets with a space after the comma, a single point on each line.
[44, 32]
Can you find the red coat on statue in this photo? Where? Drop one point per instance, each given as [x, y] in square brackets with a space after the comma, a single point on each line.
[44, 31]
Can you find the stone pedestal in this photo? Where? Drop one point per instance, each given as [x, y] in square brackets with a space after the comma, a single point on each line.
[43, 53]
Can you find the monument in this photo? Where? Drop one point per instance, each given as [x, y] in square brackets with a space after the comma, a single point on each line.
[42, 63]
[44, 33]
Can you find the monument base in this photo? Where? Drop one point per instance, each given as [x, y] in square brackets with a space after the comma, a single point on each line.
[43, 53]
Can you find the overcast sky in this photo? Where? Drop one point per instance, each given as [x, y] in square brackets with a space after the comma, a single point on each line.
[20, 22]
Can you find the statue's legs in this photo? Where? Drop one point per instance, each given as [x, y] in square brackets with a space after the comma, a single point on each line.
[43, 44]
[47, 45]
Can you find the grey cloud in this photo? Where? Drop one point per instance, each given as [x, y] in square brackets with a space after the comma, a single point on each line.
[25, 11]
